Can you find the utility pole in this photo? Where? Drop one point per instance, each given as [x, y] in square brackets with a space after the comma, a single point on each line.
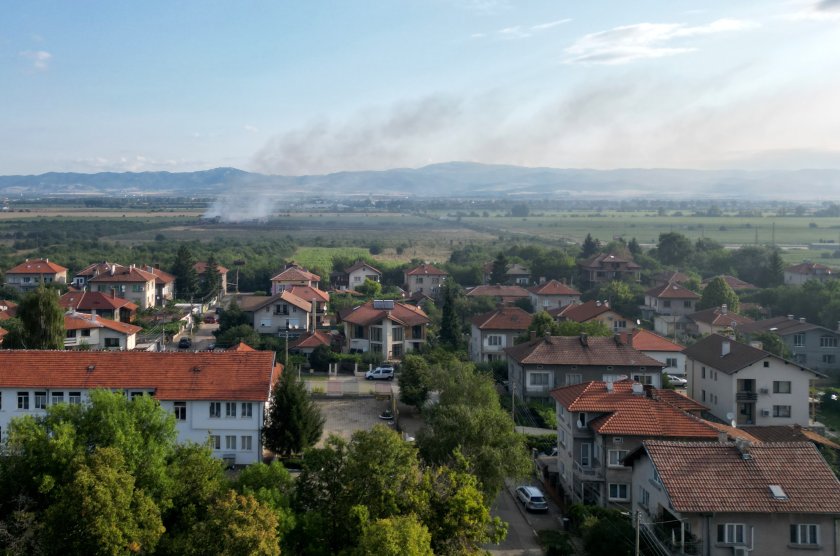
[637, 520]
[513, 404]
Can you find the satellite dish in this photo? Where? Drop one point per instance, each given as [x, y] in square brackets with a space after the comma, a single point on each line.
[730, 416]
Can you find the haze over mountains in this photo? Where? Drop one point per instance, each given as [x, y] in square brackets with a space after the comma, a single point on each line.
[448, 179]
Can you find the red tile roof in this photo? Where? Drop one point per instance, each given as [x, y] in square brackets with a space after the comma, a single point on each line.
[553, 287]
[426, 269]
[37, 266]
[201, 267]
[83, 321]
[672, 291]
[88, 301]
[96, 268]
[296, 273]
[716, 316]
[120, 274]
[161, 277]
[809, 268]
[240, 346]
[569, 350]
[312, 340]
[714, 477]
[285, 295]
[308, 293]
[645, 340]
[363, 315]
[217, 375]
[504, 318]
[498, 291]
[789, 433]
[583, 312]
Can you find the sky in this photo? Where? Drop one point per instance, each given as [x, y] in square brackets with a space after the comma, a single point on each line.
[316, 87]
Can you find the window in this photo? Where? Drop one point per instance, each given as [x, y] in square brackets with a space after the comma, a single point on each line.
[687, 303]
[644, 497]
[781, 411]
[215, 410]
[804, 533]
[358, 331]
[230, 442]
[731, 533]
[800, 357]
[614, 457]
[670, 361]
[137, 288]
[643, 379]
[230, 409]
[656, 478]
[180, 410]
[112, 342]
[586, 454]
[573, 378]
[581, 420]
[538, 379]
[247, 410]
[828, 341]
[494, 340]
[561, 411]
[619, 491]
[70, 334]
[215, 442]
[828, 358]
[246, 443]
[702, 372]
[86, 333]
[561, 437]
[23, 400]
[666, 303]
[57, 397]
[40, 400]
[419, 279]
[766, 364]
[619, 325]
[798, 340]
[375, 333]
[703, 396]
[781, 387]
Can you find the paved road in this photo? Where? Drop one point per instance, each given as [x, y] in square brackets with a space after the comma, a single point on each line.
[522, 526]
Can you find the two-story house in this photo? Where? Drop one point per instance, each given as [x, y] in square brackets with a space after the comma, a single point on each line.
[294, 275]
[103, 305]
[593, 310]
[606, 267]
[552, 295]
[735, 499]
[810, 344]
[282, 314]
[80, 279]
[668, 306]
[499, 293]
[518, 274]
[127, 282]
[798, 274]
[353, 276]
[217, 397]
[84, 331]
[29, 274]
[745, 385]
[537, 366]
[599, 423]
[715, 320]
[387, 327]
[662, 349]
[426, 279]
[164, 284]
[492, 332]
[319, 299]
[201, 269]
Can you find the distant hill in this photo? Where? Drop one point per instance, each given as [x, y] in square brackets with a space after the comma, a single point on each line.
[448, 179]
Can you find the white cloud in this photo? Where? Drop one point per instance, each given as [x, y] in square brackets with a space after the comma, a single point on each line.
[523, 31]
[250, 129]
[550, 24]
[628, 43]
[40, 58]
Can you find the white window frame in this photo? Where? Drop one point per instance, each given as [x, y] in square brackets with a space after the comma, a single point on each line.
[247, 410]
[544, 379]
[179, 408]
[230, 410]
[777, 387]
[215, 410]
[614, 457]
[230, 442]
[215, 442]
[494, 340]
[246, 444]
[805, 534]
[586, 454]
[733, 533]
[614, 491]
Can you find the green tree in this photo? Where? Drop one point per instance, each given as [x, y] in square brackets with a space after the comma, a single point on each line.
[450, 333]
[293, 422]
[395, 536]
[497, 273]
[634, 247]
[232, 317]
[773, 343]
[186, 278]
[320, 358]
[42, 319]
[236, 525]
[414, 381]
[212, 285]
[244, 333]
[776, 270]
[589, 247]
[673, 249]
[14, 338]
[273, 486]
[370, 288]
[718, 293]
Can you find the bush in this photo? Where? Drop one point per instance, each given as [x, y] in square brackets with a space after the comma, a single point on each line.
[544, 413]
[555, 543]
[541, 442]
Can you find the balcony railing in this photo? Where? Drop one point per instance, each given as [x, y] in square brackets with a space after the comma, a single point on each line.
[593, 471]
[746, 396]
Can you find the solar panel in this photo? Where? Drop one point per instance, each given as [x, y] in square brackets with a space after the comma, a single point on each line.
[383, 304]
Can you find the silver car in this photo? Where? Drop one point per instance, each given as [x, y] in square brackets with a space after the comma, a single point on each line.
[532, 498]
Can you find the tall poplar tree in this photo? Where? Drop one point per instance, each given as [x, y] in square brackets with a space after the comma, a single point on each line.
[450, 324]
[42, 319]
[186, 278]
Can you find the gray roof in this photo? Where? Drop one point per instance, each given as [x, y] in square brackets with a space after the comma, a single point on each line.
[782, 326]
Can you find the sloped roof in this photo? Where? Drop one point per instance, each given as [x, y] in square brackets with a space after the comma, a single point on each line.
[426, 269]
[217, 375]
[201, 267]
[714, 477]
[312, 340]
[308, 293]
[733, 433]
[89, 301]
[709, 352]
[95, 268]
[601, 259]
[361, 264]
[119, 274]
[255, 302]
[570, 350]
[83, 321]
[517, 269]
[503, 318]
[667, 276]
[582, 312]
[497, 290]
[240, 346]
[789, 433]
[363, 315]
[809, 268]
[645, 340]
[716, 316]
[296, 273]
[672, 290]
[161, 276]
[735, 283]
[553, 287]
[780, 325]
[37, 266]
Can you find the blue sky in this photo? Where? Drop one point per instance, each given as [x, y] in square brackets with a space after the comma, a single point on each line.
[316, 87]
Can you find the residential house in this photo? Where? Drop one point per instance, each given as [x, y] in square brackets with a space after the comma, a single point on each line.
[798, 274]
[353, 276]
[85, 331]
[552, 295]
[715, 320]
[201, 270]
[661, 349]
[217, 397]
[492, 332]
[499, 293]
[127, 282]
[789, 433]
[81, 278]
[307, 342]
[164, 284]
[667, 305]
[319, 299]
[606, 267]
[738, 286]
[283, 314]
[29, 274]
[809, 344]
[518, 274]
[387, 327]
[294, 275]
[600, 423]
[425, 279]
[735, 499]
[537, 366]
[8, 309]
[107, 306]
[593, 310]
[745, 385]
[670, 277]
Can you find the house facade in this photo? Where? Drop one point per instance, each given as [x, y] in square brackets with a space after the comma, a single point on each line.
[715, 320]
[217, 397]
[773, 499]
[281, 314]
[492, 332]
[355, 275]
[126, 282]
[606, 267]
[499, 293]
[518, 274]
[593, 310]
[552, 295]
[425, 279]
[294, 275]
[164, 284]
[99, 304]
[83, 331]
[747, 385]
[670, 300]
[798, 274]
[669, 353]
[386, 327]
[29, 274]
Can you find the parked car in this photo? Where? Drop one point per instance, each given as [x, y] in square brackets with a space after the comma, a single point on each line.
[677, 380]
[184, 343]
[382, 372]
[532, 498]
[210, 318]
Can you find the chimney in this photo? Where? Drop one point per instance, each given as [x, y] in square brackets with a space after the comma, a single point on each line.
[638, 389]
[542, 279]
[597, 303]
[46, 260]
[157, 266]
[743, 447]
[610, 386]
[617, 340]
[534, 336]
[722, 437]
[725, 347]
[584, 340]
[801, 319]
[724, 309]
[790, 317]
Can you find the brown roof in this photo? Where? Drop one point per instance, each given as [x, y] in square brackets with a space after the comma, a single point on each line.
[733, 433]
[504, 318]
[716, 316]
[93, 269]
[517, 269]
[89, 301]
[671, 276]
[789, 433]
[680, 401]
[361, 264]
[119, 274]
[553, 287]
[219, 375]
[629, 413]
[363, 315]
[709, 352]
[201, 267]
[240, 346]
[294, 273]
[735, 283]
[672, 290]
[714, 477]
[256, 302]
[645, 340]
[161, 277]
[312, 340]
[308, 293]
[599, 260]
[570, 350]
[809, 268]
[583, 312]
[426, 269]
[83, 321]
[782, 326]
[37, 266]
[496, 290]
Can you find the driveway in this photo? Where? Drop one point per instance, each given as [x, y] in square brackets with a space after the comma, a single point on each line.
[522, 525]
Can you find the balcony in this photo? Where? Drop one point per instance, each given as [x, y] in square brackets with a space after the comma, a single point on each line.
[746, 396]
[594, 471]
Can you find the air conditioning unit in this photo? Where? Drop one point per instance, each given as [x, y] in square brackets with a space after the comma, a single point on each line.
[765, 413]
[740, 551]
[764, 390]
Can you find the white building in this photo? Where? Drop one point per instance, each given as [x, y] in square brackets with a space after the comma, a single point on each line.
[217, 397]
[491, 333]
[95, 332]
